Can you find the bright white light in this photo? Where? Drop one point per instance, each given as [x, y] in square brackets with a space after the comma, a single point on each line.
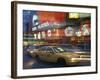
[35, 17]
[79, 52]
[39, 35]
[49, 33]
[35, 36]
[43, 34]
[35, 20]
[79, 33]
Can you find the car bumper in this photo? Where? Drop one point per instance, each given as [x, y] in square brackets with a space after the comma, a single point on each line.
[80, 59]
[77, 61]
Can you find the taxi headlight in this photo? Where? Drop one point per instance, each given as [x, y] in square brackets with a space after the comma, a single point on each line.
[79, 52]
[72, 59]
[31, 51]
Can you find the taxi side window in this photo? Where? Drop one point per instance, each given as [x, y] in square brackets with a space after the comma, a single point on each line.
[42, 49]
[49, 50]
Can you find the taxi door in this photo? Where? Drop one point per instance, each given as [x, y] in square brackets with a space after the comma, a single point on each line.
[50, 55]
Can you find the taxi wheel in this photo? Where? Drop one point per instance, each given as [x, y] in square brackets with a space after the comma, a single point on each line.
[37, 58]
[61, 61]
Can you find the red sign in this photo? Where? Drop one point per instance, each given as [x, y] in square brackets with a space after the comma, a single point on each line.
[51, 16]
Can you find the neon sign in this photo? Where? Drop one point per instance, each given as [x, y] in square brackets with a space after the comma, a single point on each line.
[69, 31]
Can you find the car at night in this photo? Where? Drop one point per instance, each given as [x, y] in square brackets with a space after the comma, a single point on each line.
[58, 54]
[32, 48]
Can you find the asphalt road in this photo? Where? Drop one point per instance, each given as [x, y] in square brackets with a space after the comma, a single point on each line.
[32, 63]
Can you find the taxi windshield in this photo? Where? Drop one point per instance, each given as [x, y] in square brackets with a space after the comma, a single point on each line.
[59, 49]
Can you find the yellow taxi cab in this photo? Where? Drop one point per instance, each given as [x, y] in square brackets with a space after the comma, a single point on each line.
[58, 54]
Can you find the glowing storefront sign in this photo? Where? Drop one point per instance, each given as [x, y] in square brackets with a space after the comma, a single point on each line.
[35, 20]
[35, 36]
[44, 20]
[49, 33]
[43, 34]
[69, 31]
[44, 25]
[73, 15]
[34, 28]
[39, 35]
[57, 32]
[78, 33]
[85, 30]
